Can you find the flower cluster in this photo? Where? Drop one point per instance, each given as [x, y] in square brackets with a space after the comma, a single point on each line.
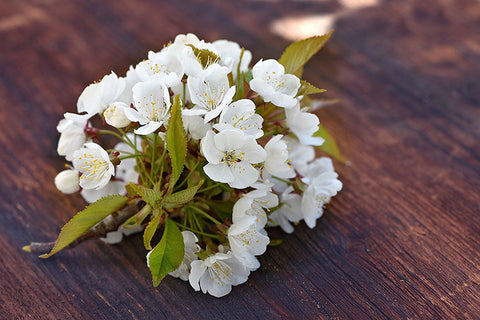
[215, 151]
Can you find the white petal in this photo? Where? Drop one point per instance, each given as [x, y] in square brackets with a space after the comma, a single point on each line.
[209, 149]
[198, 269]
[219, 172]
[148, 128]
[244, 175]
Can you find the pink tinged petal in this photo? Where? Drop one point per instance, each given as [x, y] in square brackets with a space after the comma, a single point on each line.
[198, 269]
[230, 140]
[148, 128]
[244, 175]
[209, 149]
[219, 172]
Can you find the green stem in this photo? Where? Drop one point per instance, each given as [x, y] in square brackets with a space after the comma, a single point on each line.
[154, 151]
[211, 187]
[206, 215]
[210, 235]
[111, 133]
[187, 177]
[284, 181]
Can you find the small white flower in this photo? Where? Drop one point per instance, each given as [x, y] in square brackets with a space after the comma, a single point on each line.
[289, 210]
[217, 274]
[97, 96]
[300, 155]
[322, 185]
[191, 247]
[192, 64]
[241, 115]
[277, 162]
[124, 173]
[273, 85]
[247, 242]
[210, 92]
[254, 204]
[94, 164]
[72, 135]
[115, 115]
[67, 181]
[152, 104]
[196, 126]
[230, 52]
[231, 154]
[163, 65]
[303, 124]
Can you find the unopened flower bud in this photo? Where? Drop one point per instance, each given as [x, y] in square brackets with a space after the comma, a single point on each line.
[67, 181]
[115, 115]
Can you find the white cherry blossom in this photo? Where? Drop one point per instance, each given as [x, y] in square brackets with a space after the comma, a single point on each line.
[72, 135]
[230, 154]
[289, 210]
[246, 241]
[97, 96]
[124, 173]
[67, 181]
[162, 65]
[152, 105]
[210, 92]
[322, 186]
[277, 161]
[303, 124]
[273, 85]
[229, 52]
[217, 274]
[254, 204]
[191, 248]
[115, 115]
[94, 164]
[299, 154]
[241, 115]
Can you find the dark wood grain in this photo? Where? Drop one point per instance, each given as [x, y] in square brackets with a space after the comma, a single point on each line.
[401, 240]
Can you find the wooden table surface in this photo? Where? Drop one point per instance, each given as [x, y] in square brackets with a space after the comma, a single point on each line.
[401, 241]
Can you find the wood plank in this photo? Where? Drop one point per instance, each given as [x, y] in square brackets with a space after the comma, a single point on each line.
[401, 239]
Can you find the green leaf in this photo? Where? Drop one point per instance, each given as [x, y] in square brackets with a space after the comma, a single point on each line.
[150, 230]
[150, 196]
[176, 141]
[86, 219]
[204, 56]
[167, 254]
[329, 146]
[307, 88]
[182, 196]
[299, 52]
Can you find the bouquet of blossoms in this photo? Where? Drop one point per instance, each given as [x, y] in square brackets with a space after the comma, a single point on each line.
[210, 153]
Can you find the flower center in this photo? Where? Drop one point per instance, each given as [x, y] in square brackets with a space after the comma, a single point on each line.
[230, 158]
